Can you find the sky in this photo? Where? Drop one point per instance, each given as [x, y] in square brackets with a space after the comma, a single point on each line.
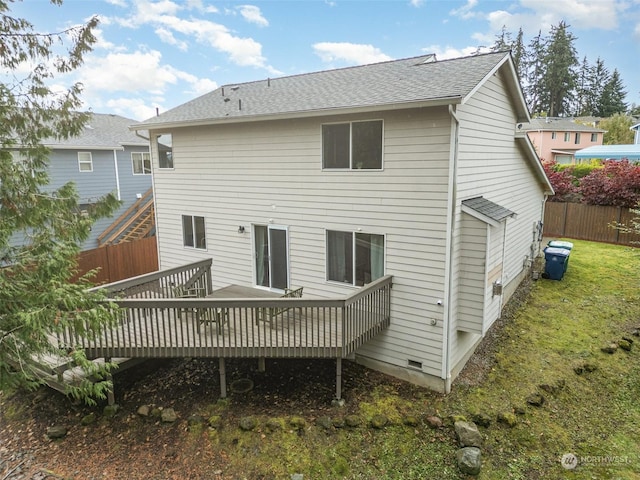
[153, 55]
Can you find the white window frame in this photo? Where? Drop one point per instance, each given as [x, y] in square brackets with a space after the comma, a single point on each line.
[193, 243]
[145, 163]
[594, 137]
[85, 161]
[170, 158]
[567, 136]
[354, 259]
[352, 167]
[554, 135]
[577, 140]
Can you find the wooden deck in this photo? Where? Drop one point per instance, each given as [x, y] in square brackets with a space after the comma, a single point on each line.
[156, 323]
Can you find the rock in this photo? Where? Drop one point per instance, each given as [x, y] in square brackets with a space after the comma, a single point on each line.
[144, 410]
[457, 418]
[324, 423]
[168, 415]
[298, 423]
[611, 348]
[297, 476]
[248, 423]
[507, 418]
[636, 332]
[625, 345]
[434, 421]
[273, 425]
[628, 339]
[410, 421]
[56, 431]
[352, 421]
[469, 460]
[214, 421]
[481, 419]
[468, 434]
[338, 422]
[89, 419]
[535, 399]
[110, 411]
[337, 402]
[379, 421]
[590, 367]
[156, 412]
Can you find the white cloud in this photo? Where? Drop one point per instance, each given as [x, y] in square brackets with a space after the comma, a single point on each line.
[134, 108]
[252, 14]
[351, 53]
[167, 37]
[444, 53]
[416, 3]
[602, 14]
[466, 11]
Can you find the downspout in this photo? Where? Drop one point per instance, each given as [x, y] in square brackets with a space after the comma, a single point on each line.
[448, 267]
[115, 165]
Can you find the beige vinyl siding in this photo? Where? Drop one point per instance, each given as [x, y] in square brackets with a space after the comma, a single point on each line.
[472, 275]
[491, 164]
[270, 173]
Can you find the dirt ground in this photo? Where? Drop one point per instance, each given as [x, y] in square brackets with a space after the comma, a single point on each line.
[296, 387]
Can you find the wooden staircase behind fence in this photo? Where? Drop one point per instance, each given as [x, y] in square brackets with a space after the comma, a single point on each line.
[137, 222]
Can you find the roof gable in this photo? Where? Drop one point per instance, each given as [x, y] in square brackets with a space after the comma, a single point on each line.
[416, 81]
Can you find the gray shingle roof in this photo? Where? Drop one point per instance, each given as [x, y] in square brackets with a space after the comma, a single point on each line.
[488, 208]
[417, 79]
[102, 131]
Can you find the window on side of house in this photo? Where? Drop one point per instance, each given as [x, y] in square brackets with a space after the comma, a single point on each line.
[85, 162]
[567, 136]
[193, 232]
[164, 144]
[577, 141]
[354, 258]
[352, 146]
[594, 137]
[141, 163]
[554, 135]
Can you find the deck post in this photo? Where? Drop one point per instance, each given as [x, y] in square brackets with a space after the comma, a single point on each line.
[338, 378]
[261, 364]
[223, 378]
[111, 398]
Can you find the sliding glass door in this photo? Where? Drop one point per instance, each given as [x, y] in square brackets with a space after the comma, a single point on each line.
[272, 256]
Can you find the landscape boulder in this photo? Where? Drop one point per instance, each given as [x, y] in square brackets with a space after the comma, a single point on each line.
[469, 460]
[468, 434]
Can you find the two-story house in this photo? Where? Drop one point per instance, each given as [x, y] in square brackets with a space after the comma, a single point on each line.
[558, 139]
[413, 168]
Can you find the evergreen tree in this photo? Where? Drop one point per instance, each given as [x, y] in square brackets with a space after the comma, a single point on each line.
[534, 72]
[37, 301]
[518, 50]
[612, 99]
[559, 61]
[585, 100]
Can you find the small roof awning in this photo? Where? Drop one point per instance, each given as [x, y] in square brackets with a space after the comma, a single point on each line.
[486, 210]
[615, 152]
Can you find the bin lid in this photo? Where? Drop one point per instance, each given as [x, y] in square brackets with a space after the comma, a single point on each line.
[561, 252]
[560, 244]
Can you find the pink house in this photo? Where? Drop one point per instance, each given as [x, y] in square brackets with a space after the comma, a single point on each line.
[559, 138]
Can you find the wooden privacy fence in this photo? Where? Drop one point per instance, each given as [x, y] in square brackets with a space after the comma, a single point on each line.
[588, 222]
[120, 261]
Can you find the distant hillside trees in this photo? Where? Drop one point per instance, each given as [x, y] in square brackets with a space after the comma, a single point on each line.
[556, 83]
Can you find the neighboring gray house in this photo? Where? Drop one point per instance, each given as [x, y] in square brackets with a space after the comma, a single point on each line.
[106, 157]
[413, 168]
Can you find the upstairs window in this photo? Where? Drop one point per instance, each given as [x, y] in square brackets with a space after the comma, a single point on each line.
[85, 162]
[164, 144]
[594, 137]
[554, 135]
[354, 258]
[352, 146]
[577, 141]
[193, 232]
[567, 136]
[141, 163]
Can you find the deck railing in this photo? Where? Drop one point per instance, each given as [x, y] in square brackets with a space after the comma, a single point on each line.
[154, 322]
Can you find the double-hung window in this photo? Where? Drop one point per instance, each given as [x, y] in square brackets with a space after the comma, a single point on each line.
[193, 232]
[141, 162]
[354, 258]
[164, 145]
[352, 146]
[85, 162]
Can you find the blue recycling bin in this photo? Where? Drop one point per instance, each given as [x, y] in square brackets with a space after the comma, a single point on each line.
[556, 262]
[560, 244]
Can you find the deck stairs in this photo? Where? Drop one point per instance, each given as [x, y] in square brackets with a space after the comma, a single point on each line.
[136, 223]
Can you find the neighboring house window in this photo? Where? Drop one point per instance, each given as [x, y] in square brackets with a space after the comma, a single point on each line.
[193, 232]
[354, 145]
[594, 137]
[354, 258]
[85, 162]
[564, 159]
[567, 136]
[577, 142]
[553, 135]
[141, 162]
[165, 150]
